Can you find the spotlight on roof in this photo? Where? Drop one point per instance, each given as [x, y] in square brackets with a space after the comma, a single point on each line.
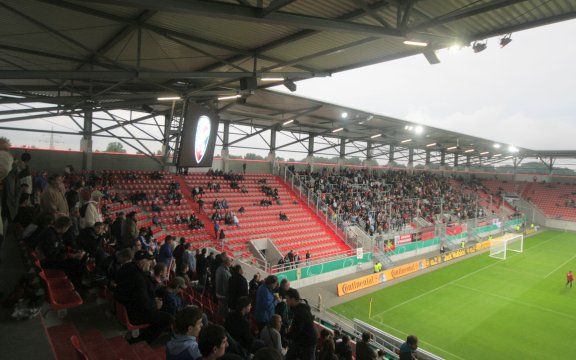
[507, 39]
[290, 85]
[168, 98]
[344, 115]
[288, 122]
[452, 148]
[375, 136]
[337, 130]
[430, 145]
[512, 148]
[272, 79]
[484, 152]
[479, 46]
[406, 141]
[419, 129]
[496, 155]
[469, 150]
[497, 146]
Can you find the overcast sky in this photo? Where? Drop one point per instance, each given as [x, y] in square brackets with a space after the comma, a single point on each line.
[522, 94]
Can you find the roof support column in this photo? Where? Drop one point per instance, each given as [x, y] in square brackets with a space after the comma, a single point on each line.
[86, 142]
[272, 153]
[391, 155]
[342, 157]
[442, 157]
[428, 157]
[310, 157]
[411, 158]
[225, 148]
[456, 156]
[166, 138]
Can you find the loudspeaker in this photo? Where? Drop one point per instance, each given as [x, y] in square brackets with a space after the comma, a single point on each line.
[248, 83]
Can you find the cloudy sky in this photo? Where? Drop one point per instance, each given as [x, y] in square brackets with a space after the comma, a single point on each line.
[522, 94]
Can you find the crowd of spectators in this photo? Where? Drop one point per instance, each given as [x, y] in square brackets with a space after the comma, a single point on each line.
[391, 200]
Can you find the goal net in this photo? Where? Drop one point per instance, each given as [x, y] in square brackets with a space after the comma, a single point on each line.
[500, 246]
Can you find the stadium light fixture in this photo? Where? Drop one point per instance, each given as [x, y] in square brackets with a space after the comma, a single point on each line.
[469, 150]
[419, 129]
[289, 84]
[344, 115]
[272, 79]
[512, 149]
[497, 146]
[484, 152]
[507, 39]
[479, 46]
[405, 141]
[169, 98]
[337, 130]
[452, 148]
[288, 122]
[496, 155]
[229, 97]
[509, 157]
[415, 43]
[432, 144]
[375, 136]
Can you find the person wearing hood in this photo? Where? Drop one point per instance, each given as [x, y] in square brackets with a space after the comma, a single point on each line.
[184, 345]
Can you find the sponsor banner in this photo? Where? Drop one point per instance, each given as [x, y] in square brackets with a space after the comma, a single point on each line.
[530, 231]
[359, 253]
[378, 278]
[483, 223]
[406, 269]
[402, 239]
[451, 231]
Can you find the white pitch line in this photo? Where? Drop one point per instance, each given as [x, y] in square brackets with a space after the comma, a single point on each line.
[560, 266]
[455, 280]
[517, 301]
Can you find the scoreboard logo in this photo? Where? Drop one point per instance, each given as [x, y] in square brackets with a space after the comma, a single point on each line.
[203, 130]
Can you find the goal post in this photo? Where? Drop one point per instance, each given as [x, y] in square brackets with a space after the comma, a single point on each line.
[508, 242]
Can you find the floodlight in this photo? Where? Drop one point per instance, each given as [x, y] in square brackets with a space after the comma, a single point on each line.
[496, 155]
[344, 115]
[375, 136]
[507, 39]
[406, 141]
[166, 98]
[272, 79]
[479, 46]
[337, 130]
[512, 148]
[469, 150]
[497, 146]
[485, 152]
[429, 145]
[290, 85]
[452, 148]
[288, 122]
[419, 129]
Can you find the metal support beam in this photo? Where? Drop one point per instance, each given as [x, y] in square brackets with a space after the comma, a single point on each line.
[273, 140]
[86, 142]
[410, 156]
[427, 162]
[311, 145]
[442, 157]
[226, 136]
[342, 152]
[391, 153]
[456, 157]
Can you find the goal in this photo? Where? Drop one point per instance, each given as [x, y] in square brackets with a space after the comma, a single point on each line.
[500, 246]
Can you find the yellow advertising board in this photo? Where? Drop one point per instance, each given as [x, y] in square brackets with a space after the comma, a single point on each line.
[364, 282]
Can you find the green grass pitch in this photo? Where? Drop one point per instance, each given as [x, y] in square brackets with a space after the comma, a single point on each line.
[485, 308]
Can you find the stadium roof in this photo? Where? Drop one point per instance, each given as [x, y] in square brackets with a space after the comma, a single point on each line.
[125, 54]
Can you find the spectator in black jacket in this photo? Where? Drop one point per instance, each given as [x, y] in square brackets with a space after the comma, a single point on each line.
[238, 326]
[136, 291]
[302, 333]
[237, 286]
